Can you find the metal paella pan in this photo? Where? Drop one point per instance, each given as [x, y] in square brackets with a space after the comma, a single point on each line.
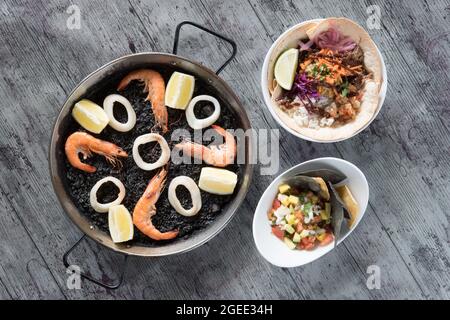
[72, 186]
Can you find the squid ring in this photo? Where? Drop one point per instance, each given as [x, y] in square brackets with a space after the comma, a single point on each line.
[146, 138]
[196, 123]
[194, 192]
[104, 207]
[108, 105]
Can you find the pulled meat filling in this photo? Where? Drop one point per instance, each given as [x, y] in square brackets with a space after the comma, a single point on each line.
[334, 83]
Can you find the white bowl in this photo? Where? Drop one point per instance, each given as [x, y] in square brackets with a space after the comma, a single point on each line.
[273, 249]
[267, 98]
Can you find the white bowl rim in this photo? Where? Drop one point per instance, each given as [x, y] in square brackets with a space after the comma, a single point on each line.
[286, 172]
[267, 99]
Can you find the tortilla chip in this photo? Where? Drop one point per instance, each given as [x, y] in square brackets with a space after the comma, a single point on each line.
[350, 203]
[324, 193]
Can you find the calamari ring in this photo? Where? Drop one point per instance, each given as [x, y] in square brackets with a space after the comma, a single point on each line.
[146, 138]
[108, 105]
[104, 207]
[194, 192]
[195, 123]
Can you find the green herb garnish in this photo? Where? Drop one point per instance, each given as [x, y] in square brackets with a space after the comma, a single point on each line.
[344, 89]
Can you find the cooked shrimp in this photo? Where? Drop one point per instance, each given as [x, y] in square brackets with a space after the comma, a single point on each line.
[155, 86]
[218, 156]
[145, 209]
[81, 142]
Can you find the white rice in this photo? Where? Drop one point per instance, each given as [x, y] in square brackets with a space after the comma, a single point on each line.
[302, 117]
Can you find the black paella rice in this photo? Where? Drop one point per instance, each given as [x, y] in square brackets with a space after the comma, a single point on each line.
[135, 179]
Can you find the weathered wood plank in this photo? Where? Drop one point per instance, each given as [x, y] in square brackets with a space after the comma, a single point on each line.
[27, 121]
[4, 294]
[23, 272]
[400, 198]
[258, 44]
[59, 73]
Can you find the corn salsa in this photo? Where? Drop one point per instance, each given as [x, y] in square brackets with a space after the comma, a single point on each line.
[300, 218]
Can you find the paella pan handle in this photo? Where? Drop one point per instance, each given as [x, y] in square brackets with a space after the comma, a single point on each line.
[91, 279]
[218, 35]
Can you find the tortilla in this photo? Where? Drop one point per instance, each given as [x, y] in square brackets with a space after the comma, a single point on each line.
[372, 61]
[324, 193]
[289, 40]
[350, 203]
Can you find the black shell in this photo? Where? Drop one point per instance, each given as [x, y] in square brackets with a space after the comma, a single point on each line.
[338, 208]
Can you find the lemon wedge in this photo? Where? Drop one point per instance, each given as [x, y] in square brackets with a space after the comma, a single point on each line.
[286, 67]
[217, 181]
[120, 224]
[90, 116]
[179, 90]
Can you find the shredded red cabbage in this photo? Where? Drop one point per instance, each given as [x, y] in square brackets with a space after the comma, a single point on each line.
[304, 87]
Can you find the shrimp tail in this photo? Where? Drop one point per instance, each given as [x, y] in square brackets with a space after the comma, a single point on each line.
[155, 87]
[219, 130]
[81, 142]
[146, 208]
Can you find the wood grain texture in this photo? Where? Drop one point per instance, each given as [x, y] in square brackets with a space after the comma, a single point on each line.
[403, 154]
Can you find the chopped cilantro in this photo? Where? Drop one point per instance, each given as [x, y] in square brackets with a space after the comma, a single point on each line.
[315, 70]
[344, 92]
[344, 89]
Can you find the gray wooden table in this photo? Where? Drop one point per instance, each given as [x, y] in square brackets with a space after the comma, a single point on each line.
[404, 153]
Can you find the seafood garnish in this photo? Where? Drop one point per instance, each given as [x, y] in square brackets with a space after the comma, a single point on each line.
[108, 105]
[194, 191]
[146, 138]
[215, 155]
[90, 116]
[145, 209]
[81, 142]
[155, 86]
[217, 181]
[196, 123]
[104, 207]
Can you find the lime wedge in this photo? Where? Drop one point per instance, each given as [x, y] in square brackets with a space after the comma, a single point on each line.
[286, 67]
[217, 181]
[90, 116]
[120, 224]
[179, 90]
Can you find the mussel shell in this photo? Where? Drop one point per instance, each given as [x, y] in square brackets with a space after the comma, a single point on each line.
[326, 174]
[309, 183]
[337, 214]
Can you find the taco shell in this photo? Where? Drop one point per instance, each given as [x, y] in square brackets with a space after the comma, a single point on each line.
[371, 90]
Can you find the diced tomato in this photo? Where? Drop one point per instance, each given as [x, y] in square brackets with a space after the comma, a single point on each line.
[278, 232]
[308, 243]
[276, 204]
[327, 239]
[299, 228]
[299, 215]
